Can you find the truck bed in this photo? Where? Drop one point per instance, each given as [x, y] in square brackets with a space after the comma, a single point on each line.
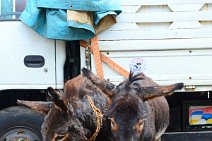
[173, 37]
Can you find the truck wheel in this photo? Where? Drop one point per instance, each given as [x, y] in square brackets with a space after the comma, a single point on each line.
[20, 124]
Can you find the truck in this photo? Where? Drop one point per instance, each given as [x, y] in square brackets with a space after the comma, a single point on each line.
[170, 41]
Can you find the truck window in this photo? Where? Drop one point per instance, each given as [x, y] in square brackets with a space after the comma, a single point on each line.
[11, 9]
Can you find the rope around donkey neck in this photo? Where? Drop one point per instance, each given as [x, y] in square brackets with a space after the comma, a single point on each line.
[99, 117]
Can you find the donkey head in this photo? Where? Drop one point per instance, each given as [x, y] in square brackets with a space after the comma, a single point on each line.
[130, 108]
[60, 122]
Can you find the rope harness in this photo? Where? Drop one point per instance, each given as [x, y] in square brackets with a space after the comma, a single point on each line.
[99, 117]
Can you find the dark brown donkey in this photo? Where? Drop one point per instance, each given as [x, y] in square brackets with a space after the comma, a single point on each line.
[139, 110]
[78, 113]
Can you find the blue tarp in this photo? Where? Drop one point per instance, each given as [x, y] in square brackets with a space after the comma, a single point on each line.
[49, 17]
[11, 9]
[82, 5]
[6, 9]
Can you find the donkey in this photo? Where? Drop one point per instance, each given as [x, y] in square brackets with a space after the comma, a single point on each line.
[139, 110]
[78, 113]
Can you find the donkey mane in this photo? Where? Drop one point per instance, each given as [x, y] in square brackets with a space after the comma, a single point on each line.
[132, 78]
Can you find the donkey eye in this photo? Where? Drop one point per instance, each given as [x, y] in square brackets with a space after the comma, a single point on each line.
[139, 126]
[58, 137]
[141, 122]
[112, 123]
[114, 126]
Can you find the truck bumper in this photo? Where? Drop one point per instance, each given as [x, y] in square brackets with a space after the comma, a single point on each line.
[188, 136]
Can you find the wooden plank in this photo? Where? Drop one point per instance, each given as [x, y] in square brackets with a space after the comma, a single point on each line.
[186, 7]
[172, 78]
[207, 7]
[124, 26]
[130, 9]
[185, 25]
[160, 34]
[166, 66]
[165, 17]
[195, 82]
[160, 53]
[130, 2]
[162, 2]
[200, 85]
[170, 44]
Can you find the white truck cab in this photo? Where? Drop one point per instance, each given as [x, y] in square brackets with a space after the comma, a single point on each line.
[29, 61]
[29, 64]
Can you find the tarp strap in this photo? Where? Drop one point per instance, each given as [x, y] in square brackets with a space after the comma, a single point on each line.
[94, 48]
[97, 57]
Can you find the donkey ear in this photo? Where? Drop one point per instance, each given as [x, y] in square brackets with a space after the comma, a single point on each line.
[57, 100]
[107, 87]
[152, 92]
[38, 106]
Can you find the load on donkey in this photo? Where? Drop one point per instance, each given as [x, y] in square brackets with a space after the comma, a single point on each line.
[94, 109]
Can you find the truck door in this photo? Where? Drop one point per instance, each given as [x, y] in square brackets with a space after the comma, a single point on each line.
[27, 59]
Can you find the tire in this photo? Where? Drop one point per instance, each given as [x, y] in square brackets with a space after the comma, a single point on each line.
[21, 124]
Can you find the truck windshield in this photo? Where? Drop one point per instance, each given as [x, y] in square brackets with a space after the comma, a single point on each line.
[11, 9]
